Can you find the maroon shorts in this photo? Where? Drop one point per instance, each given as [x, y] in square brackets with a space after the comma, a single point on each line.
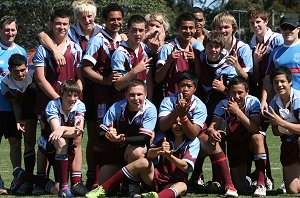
[238, 153]
[289, 152]
[113, 154]
[160, 180]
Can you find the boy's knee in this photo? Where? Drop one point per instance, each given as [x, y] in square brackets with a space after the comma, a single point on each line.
[257, 139]
[293, 187]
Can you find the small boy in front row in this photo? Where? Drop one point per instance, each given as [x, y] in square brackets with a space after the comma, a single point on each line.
[284, 116]
[170, 160]
[65, 115]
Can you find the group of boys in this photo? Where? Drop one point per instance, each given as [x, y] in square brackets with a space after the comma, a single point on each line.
[116, 76]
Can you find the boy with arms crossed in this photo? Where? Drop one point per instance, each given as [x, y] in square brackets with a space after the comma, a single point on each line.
[283, 114]
[238, 117]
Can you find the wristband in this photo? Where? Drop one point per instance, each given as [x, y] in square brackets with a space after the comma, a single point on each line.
[184, 119]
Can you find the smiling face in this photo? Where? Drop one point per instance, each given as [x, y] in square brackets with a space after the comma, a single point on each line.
[86, 21]
[68, 101]
[136, 97]
[227, 30]
[113, 22]
[289, 34]
[60, 27]
[186, 30]
[258, 26]
[213, 51]
[238, 93]
[281, 85]
[200, 21]
[18, 72]
[8, 33]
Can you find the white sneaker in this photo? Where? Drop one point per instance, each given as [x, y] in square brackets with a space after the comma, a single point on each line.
[269, 184]
[260, 191]
[38, 190]
[231, 193]
[281, 189]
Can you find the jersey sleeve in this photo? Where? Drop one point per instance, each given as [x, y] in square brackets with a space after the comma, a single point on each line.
[111, 115]
[191, 153]
[199, 114]
[166, 107]
[118, 61]
[80, 111]
[245, 53]
[93, 50]
[254, 108]
[52, 110]
[39, 57]
[219, 110]
[163, 54]
[149, 122]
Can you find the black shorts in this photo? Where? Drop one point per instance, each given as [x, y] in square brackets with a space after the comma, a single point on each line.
[8, 126]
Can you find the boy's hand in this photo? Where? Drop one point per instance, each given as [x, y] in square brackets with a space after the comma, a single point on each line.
[189, 54]
[218, 84]
[142, 65]
[175, 53]
[59, 59]
[21, 126]
[182, 107]
[56, 134]
[215, 136]
[232, 106]
[233, 59]
[78, 128]
[259, 52]
[272, 116]
[165, 148]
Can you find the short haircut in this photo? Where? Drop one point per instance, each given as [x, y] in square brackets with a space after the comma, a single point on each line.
[84, 6]
[215, 37]
[135, 82]
[257, 12]
[7, 20]
[186, 76]
[136, 18]
[238, 80]
[69, 86]
[224, 17]
[61, 12]
[110, 8]
[16, 60]
[197, 10]
[159, 18]
[281, 71]
[187, 16]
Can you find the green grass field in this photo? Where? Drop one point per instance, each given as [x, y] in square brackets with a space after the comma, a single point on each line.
[273, 142]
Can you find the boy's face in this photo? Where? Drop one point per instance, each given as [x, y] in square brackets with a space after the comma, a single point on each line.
[238, 93]
[213, 51]
[8, 32]
[60, 27]
[113, 22]
[86, 20]
[18, 72]
[281, 85]
[136, 32]
[69, 100]
[154, 26]
[187, 88]
[290, 34]
[186, 30]
[177, 128]
[258, 26]
[136, 97]
[200, 21]
[226, 29]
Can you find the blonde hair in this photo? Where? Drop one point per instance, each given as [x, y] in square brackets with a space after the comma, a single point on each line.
[84, 6]
[159, 18]
[224, 17]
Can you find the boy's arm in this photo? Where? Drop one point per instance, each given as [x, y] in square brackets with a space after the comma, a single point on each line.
[47, 42]
[42, 82]
[163, 69]
[267, 88]
[18, 114]
[92, 75]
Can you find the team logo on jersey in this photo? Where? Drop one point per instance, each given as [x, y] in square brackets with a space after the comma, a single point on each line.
[297, 57]
[138, 120]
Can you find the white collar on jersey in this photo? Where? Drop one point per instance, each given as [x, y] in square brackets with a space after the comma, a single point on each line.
[66, 117]
[20, 86]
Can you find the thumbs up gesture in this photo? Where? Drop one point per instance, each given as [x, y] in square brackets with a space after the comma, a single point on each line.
[165, 148]
[218, 85]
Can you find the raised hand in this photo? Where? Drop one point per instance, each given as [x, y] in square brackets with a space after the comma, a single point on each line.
[182, 106]
[233, 59]
[259, 52]
[142, 65]
[218, 84]
[232, 106]
[190, 53]
[21, 126]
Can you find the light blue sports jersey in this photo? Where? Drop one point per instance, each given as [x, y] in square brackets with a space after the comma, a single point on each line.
[197, 112]
[145, 119]
[5, 53]
[287, 56]
[252, 106]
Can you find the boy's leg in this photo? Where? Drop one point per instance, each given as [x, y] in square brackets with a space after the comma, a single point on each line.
[29, 144]
[238, 174]
[291, 175]
[133, 153]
